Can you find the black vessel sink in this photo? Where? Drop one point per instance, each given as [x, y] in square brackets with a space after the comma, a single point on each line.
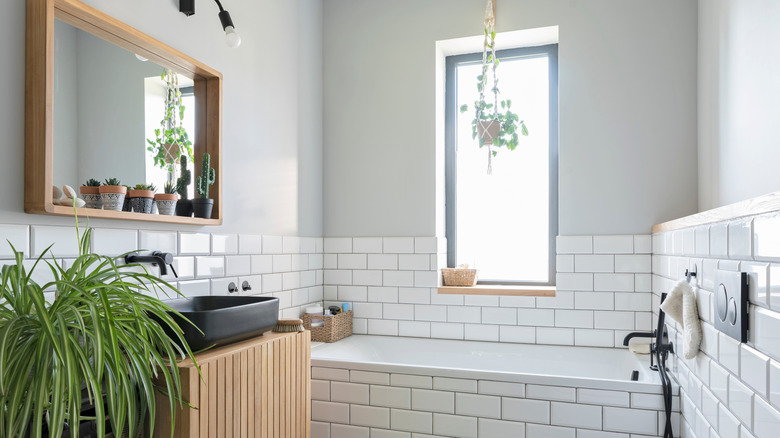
[224, 320]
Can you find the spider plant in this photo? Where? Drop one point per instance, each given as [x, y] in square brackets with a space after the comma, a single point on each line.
[99, 331]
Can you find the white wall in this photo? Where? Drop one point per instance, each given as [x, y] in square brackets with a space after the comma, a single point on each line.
[739, 100]
[627, 103]
[272, 106]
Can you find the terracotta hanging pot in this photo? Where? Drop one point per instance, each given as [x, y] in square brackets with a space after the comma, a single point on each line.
[488, 130]
[171, 152]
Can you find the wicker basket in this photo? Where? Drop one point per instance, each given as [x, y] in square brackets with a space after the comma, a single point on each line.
[336, 326]
[459, 276]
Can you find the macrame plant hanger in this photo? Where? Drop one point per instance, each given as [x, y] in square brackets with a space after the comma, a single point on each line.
[489, 45]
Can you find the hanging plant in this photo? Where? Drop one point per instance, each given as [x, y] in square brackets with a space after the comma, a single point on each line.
[171, 139]
[494, 123]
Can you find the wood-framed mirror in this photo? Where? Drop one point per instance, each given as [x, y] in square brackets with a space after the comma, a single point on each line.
[55, 71]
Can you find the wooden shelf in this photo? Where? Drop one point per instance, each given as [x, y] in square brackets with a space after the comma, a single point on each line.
[93, 213]
[759, 205]
[497, 289]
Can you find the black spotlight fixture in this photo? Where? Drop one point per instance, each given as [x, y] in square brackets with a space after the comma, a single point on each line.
[232, 38]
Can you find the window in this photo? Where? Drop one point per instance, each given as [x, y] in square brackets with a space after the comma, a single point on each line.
[504, 224]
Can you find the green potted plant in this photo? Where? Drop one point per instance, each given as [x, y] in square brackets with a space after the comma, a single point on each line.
[112, 194]
[171, 139]
[494, 123]
[166, 202]
[90, 193]
[184, 206]
[102, 336]
[202, 205]
[141, 197]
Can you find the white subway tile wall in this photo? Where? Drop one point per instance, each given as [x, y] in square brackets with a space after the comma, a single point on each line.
[604, 289]
[349, 403]
[289, 267]
[729, 389]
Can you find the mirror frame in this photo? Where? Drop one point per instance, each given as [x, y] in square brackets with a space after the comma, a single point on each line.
[39, 86]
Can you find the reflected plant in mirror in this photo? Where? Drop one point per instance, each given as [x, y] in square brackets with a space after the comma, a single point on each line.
[202, 205]
[171, 139]
[90, 193]
[184, 206]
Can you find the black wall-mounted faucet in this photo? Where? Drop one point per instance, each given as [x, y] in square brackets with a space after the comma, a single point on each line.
[157, 258]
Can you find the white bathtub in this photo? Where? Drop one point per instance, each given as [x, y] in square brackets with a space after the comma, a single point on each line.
[600, 368]
[365, 385]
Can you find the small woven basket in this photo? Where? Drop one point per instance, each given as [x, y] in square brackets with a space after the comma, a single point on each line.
[459, 276]
[336, 326]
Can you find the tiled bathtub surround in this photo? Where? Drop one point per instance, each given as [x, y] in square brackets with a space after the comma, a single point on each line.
[289, 268]
[729, 389]
[351, 403]
[603, 292]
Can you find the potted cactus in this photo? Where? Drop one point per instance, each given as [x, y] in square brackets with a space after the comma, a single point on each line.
[166, 202]
[112, 194]
[184, 206]
[203, 205]
[90, 193]
[141, 197]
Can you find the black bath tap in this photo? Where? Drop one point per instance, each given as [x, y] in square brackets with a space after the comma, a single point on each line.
[157, 258]
[660, 350]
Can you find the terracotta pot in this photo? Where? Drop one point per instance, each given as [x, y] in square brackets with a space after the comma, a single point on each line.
[166, 197]
[140, 194]
[91, 196]
[112, 189]
[488, 130]
[202, 207]
[171, 152]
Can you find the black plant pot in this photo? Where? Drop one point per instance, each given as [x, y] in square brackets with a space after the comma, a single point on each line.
[202, 207]
[184, 207]
[128, 205]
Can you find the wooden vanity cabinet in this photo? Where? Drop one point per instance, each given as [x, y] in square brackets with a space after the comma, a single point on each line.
[256, 388]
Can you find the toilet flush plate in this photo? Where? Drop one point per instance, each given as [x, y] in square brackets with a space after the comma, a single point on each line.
[731, 304]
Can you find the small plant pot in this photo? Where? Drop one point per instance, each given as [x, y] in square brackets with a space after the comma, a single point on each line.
[488, 130]
[184, 208]
[202, 207]
[91, 196]
[141, 200]
[112, 197]
[166, 203]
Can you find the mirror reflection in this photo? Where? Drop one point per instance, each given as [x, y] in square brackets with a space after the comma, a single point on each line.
[117, 115]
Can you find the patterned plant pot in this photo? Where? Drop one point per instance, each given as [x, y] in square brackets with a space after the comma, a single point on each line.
[112, 197]
[127, 205]
[166, 203]
[141, 200]
[142, 205]
[91, 196]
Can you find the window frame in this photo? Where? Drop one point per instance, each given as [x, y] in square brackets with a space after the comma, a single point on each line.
[450, 141]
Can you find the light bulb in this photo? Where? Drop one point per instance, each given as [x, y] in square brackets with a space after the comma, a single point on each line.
[232, 38]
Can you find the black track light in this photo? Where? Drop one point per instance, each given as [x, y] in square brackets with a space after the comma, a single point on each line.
[232, 38]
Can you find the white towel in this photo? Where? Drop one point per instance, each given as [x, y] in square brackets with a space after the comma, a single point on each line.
[680, 305]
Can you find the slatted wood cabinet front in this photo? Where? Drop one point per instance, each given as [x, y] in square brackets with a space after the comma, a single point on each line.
[255, 388]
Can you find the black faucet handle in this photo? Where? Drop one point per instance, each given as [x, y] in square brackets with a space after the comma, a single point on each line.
[166, 257]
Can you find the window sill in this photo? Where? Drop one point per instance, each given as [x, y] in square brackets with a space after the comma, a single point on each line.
[497, 289]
